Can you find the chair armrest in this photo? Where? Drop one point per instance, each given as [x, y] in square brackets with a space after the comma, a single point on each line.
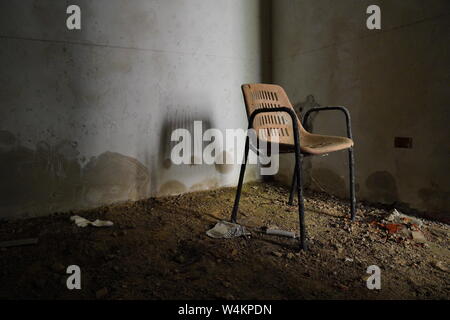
[343, 109]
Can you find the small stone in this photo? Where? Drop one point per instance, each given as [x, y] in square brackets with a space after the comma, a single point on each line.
[110, 257]
[39, 283]
[441, 266]
[234, 252]
[180, 259]
[400, 261]
[290, 256]
[229, 296]
[277, 254]
[103, 292]
[341, 287]
[58, 267]
[418, 236]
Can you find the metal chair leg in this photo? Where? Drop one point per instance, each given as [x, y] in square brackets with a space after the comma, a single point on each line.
[298, 174]
[301, 206]
[298, 161]
[293, 184]
[241, 181]
[351, 165]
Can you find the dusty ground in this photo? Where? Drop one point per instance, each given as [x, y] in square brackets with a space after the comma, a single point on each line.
[158, 249]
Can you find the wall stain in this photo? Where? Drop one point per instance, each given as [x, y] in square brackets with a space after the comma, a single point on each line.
[50, 178]
[382, 187]
[7, 141]
[167, 163]
[207, 184]
[114, 177]
[302, 107]
[224, 163]
[436, 200]
[172, 187]
[326, 180]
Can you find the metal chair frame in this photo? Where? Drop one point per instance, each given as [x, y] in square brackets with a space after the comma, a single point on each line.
[297, 179]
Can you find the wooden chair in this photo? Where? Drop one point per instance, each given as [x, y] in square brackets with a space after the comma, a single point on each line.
[268, 110]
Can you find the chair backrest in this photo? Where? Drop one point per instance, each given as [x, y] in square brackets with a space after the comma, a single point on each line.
[267, 96]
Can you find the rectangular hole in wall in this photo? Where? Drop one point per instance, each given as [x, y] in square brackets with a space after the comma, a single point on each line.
[403, 142]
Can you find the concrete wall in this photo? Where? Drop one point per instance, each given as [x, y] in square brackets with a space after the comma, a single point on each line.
[393, 81]
[86, 115]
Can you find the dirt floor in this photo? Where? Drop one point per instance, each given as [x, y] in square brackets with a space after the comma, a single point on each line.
[158, 249]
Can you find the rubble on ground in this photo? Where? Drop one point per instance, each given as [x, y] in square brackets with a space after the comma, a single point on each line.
[158, 249]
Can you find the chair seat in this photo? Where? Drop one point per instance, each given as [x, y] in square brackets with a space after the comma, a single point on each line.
[316, 144]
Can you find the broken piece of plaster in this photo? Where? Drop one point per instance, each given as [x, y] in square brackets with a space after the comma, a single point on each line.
[82, 222]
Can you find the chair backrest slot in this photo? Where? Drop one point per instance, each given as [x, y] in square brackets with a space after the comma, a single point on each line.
[269, 96]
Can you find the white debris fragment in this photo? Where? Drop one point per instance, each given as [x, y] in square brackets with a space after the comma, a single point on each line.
[82, 222]
[398, 217]
[348, 259]
[282, 233]
[225, 229]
